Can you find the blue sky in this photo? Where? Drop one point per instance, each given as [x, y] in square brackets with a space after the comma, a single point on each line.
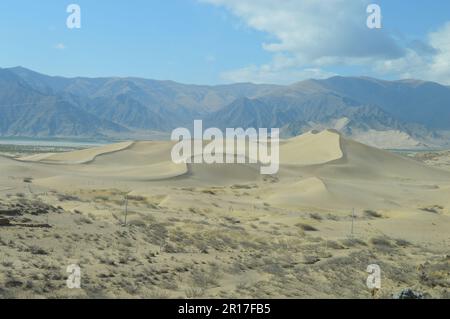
[222, 41]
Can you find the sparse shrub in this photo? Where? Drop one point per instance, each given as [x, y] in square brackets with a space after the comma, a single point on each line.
[157, 233]
[130, 288]
[372, 214]
[13, 283]
[242, 286]
[352, 242]
[66, 197]
[150, 219]
[380, 241]
[274, 269]
[136, 198]
[402, 243]
[232, 220]
[101, 198]
[36, 250]
[137, 223]
[433, 209]
[241, 186]
[334, 245]
[306, 227]
[193, 210]
[152, 206]
[315, 216]
[159, 294]
[382, 244]
[310, 260]
[202, 279]
[83, 220]
[194, 293]
[332, 217]
[169, 285]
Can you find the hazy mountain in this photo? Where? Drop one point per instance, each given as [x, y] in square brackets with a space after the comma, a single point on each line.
[409, 111]
[25, 111]
[426, 103]
[361, 108]
[107, 96]
[294, 112]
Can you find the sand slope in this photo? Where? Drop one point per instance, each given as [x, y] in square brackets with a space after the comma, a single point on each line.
[77, 157]
[224, 228]
[311, 149]
[318, 169]
[325, 170]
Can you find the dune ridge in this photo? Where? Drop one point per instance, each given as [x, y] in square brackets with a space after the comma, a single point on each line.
[77, 157]
[334, 204]
[319, 169]
[312, 148]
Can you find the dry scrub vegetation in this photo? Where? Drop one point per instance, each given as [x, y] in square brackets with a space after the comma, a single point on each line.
[193, 252]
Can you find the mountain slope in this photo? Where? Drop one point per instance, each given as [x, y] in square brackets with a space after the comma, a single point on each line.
[154, 94]
[425, 103]
[409, 112]
[140, 104]
[299, 114]
[357, 112]
[27, 112]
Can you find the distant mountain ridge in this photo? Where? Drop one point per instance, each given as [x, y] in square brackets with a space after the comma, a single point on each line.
[421, 102]
[34, 104]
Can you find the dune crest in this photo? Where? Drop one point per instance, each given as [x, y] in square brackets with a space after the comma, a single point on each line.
[77, 157]
[312, 149]
[318, 169]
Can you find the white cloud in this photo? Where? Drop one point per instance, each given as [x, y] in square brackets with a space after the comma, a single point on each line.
[60, 46]
[281, 70]
[313, 35]
[431, 64]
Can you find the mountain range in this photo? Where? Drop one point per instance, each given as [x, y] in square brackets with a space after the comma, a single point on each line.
[390, 114]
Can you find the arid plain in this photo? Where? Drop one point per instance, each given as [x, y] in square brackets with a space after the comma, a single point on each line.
[139, 225]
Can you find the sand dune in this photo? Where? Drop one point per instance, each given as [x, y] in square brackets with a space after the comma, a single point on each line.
[77, 157]
[342, 174]
[312, 149]
[317, 169]
[181, 217]
[304, 193]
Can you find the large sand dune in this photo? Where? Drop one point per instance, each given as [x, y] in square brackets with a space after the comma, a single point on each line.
[77, 157]
[317, 169]
[193, 230]
[312, 149]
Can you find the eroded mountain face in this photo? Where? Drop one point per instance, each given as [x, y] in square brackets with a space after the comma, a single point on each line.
[399, 114]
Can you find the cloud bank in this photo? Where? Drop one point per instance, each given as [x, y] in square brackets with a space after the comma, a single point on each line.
[310, 36]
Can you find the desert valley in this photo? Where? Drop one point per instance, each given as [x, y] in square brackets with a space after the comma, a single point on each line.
[140, 226]
[234, 157]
